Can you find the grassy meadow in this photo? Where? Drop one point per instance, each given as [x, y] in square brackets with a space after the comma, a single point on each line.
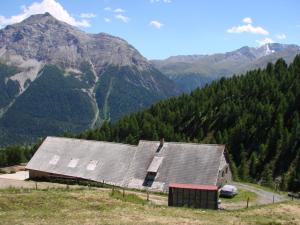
[96, 206]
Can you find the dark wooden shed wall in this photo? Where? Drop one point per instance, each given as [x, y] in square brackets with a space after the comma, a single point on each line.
[207, 199]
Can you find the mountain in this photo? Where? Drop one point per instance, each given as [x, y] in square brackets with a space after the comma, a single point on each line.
[194, 71]
[256, 115]
[55, 78]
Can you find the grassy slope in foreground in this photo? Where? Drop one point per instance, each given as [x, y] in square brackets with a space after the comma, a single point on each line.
[99, 207]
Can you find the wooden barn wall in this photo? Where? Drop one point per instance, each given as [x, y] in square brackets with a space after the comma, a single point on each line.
[193, 198]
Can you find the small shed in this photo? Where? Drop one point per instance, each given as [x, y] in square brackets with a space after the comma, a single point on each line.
[192, 195]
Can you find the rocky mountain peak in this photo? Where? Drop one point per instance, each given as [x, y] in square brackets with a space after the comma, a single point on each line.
[39, 18]
[85, 78]
[46, 39]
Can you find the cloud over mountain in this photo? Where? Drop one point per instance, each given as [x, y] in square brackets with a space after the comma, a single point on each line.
[247, 27]
[51, 6]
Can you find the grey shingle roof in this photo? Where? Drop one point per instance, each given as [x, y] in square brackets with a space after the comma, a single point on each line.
[182, 163]
[126, 165]
[113, 160]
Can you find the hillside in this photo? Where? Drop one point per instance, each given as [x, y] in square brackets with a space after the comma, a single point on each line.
[55, 78]
[256, 115]
[83, 206]
[192, 71]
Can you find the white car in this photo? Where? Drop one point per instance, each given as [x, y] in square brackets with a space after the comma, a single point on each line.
[228, 191]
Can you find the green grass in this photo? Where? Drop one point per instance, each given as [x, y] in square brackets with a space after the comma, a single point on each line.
[243, 195]
[99, 206]
[116, 194]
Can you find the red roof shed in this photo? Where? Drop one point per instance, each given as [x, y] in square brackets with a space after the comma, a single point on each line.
[194, 186]
[193, 195]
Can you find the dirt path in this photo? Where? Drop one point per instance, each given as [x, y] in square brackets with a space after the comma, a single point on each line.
[264, 197]
[20, 175]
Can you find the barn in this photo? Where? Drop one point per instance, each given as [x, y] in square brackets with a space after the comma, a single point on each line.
[152, 165]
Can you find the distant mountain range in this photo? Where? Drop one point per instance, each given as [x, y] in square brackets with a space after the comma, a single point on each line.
[192, 71]
[55, 78]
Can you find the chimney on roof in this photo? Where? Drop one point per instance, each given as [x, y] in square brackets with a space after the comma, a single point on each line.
[162, 141]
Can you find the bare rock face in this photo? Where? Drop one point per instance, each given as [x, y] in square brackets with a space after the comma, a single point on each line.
[83, 78]
[48, 40]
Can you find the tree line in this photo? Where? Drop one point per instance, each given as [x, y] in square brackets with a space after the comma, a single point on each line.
[256, 115]
[14, 155]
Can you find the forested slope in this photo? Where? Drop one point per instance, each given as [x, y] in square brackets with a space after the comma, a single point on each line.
[256, 115]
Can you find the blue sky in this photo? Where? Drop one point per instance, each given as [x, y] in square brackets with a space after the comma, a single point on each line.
[161, 28]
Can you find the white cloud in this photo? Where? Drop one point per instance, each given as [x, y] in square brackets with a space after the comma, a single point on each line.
[51, 6]
[117, 13]
[123, 18]
[248, 27]
[156, 24]
[247, 20]
[119, 10]
[107, 20]
[87, 15]
[281, 36]
[264, 41]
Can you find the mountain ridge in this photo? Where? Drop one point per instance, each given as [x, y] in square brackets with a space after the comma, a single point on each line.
[192, 71]
[84, 63]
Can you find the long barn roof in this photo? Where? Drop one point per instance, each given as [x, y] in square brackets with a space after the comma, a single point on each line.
[111, 161]
[127, 165]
